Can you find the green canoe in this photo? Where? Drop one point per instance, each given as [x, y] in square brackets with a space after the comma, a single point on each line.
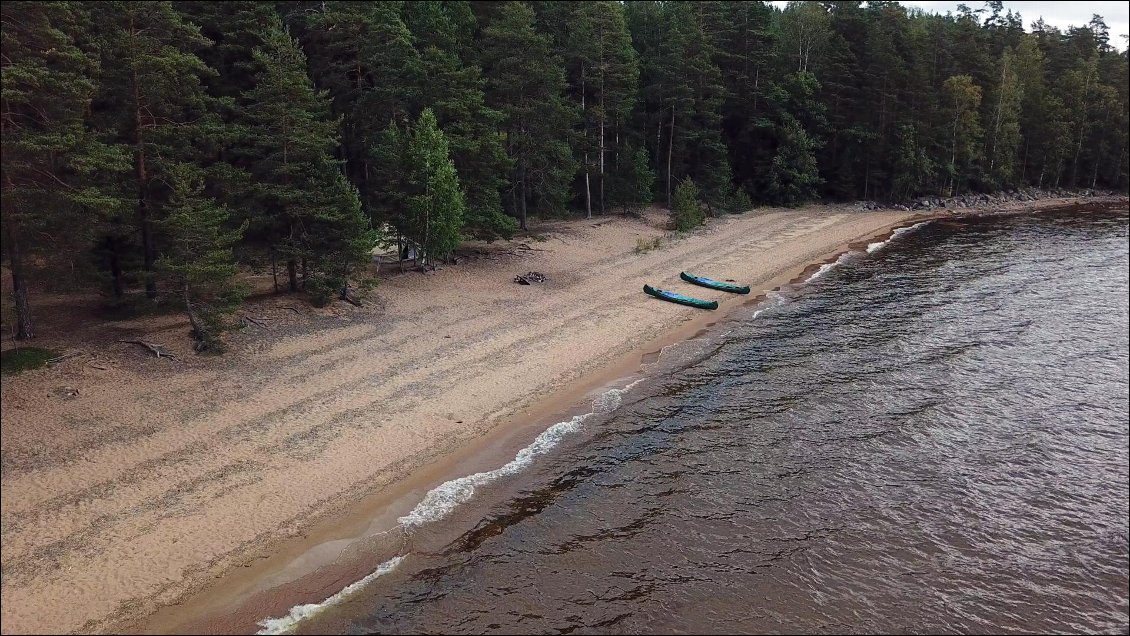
[679, 298]
[714, 284]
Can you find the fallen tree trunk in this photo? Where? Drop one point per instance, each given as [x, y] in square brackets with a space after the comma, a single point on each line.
[156, 349]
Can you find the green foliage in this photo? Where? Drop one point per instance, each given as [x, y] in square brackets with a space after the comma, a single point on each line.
[963, 97]
[632, 184]
[20, 359]
[52, 164]
[525, 81]
[435, 204]
[152, 103]
[686, 208]
[689, 85]
[198, 260]
[454, 91]
[309, 211]
[914, 171]
[145, 136]
[1003, 136]
[794, 175]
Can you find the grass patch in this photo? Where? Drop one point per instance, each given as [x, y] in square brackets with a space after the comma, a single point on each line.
[644, 246]
[20, 359]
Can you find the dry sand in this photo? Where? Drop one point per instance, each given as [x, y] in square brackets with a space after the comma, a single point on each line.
[149, 479]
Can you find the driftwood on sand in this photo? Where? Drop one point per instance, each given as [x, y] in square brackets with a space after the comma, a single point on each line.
[156, 349]
[249, 320]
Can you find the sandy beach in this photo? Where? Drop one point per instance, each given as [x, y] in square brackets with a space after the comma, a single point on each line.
[132, 484]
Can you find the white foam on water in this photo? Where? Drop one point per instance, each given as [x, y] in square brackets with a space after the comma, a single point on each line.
[777, 299]
[299, 613]
[875, 247]
[827, 267]
[441, 500]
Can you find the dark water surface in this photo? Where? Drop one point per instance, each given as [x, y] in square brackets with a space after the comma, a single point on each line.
[929, 438]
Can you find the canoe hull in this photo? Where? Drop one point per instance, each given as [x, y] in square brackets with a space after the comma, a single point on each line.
[714, 284]
[679, 298]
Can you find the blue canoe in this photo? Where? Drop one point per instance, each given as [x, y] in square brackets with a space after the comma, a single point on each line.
[679, 298]
[714, 284]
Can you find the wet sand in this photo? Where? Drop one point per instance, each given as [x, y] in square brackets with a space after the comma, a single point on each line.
[161, 485]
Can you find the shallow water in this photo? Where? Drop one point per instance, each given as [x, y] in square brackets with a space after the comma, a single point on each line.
[932, 436]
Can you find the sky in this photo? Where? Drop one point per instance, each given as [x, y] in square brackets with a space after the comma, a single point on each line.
[1059, 14]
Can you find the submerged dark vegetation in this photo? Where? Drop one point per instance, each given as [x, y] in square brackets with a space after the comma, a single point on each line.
[157, 147]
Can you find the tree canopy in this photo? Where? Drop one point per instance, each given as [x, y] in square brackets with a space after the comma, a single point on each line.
[171, 144]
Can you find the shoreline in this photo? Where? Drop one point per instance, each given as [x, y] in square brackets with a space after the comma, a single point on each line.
[241, 616]
[353, 512]
[222, 614]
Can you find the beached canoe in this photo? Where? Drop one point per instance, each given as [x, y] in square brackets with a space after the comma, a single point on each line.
[714, 284]
[679, 298]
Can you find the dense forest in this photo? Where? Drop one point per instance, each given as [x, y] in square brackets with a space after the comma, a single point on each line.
[163, 146]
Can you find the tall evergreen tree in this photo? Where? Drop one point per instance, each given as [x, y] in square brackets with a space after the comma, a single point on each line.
[311, 213]
[48, 155]
[153, 100]
[744, 40]
[454, 90]
[197, 258]
[691, 90]
[365, 56]
[526, 82]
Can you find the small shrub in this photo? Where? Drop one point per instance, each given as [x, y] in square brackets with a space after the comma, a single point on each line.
[739, 202]
[646, 245]
[321, 291]
[686, 209]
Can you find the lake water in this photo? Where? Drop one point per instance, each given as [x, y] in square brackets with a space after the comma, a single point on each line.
[929, 437]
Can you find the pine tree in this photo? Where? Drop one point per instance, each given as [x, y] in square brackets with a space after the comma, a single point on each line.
[602, 72]
[526, 82]
[686, 207]
[794, 175]
[913, 169]
[691, 99]
[455, 92]
[49, 158]
[198, 260]
[153, 101]
[311, 212]
[633, 183]
[365, 56]
[237, 28]
[744, 40]
[616, 80]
